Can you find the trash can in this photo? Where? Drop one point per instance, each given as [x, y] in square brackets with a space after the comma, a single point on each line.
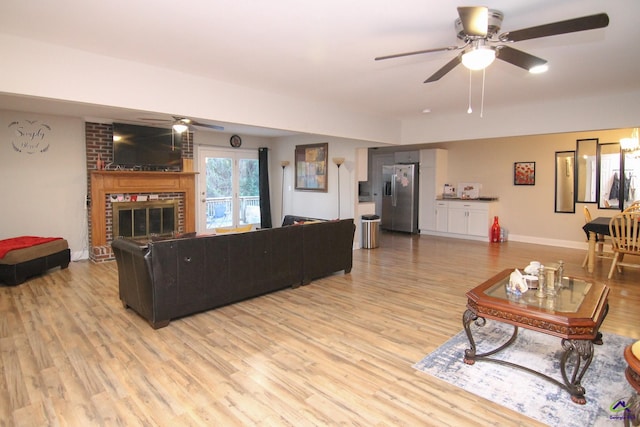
[370, 231]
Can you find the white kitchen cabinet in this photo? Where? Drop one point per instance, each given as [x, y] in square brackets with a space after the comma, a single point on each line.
[442, 220]
[457, 219]
[464, 219]
[469, 218]
[478, 222]
[433, 175]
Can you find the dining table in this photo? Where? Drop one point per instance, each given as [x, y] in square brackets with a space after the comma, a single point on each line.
[593, 228]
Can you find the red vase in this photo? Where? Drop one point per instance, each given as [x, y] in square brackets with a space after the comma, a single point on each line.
[495, 231]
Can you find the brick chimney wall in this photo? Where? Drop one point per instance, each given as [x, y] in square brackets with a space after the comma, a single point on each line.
[99, 149]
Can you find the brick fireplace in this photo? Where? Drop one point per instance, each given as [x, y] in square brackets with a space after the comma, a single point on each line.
[171, 185]
[104, 185]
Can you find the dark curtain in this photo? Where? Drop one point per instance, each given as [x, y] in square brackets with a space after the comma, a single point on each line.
[265, 199]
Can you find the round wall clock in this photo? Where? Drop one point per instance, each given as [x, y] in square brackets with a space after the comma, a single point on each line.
[235, 141]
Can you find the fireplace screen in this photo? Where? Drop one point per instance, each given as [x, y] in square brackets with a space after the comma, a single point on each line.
[144, 219]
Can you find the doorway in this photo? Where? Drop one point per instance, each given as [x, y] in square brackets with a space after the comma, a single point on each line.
[228, 186]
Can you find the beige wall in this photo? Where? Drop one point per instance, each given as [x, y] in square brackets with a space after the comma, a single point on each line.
[526, 211]
[43, 180]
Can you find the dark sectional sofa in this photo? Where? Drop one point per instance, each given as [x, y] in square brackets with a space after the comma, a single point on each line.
[167, 279]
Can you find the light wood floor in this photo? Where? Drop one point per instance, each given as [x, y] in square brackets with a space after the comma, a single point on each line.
[338, 351]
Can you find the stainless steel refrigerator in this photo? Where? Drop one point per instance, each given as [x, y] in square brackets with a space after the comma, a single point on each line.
[400, 198]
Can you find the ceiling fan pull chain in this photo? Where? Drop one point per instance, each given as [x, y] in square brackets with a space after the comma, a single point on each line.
[482, 99]
[469, 110]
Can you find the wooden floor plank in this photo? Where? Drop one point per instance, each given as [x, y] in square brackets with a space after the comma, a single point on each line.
[338, 350]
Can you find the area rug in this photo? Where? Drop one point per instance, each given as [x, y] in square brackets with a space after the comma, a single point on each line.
[604, 382]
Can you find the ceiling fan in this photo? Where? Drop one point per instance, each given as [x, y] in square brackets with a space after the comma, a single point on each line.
[181, 124]
[478, 28]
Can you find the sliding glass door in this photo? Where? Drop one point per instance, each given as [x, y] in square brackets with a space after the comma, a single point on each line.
[228, 189]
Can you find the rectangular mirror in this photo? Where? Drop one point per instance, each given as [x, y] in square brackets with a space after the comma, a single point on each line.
[586, 176]
[610, 182]
[565, 182]
[631, 168]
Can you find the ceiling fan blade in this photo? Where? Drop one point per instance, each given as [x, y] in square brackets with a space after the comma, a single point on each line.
[584, 23]
[190, 122]
[518, 58]
[417, 52]
[475, 20]
[151, 119]
[204, 125]
[444, 70]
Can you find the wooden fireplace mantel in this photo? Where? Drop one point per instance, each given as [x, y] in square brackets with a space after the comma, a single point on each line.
[116, 182]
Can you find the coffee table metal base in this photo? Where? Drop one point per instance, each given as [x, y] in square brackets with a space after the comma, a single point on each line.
[575, 360]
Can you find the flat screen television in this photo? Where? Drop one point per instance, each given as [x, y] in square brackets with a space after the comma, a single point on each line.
[146, 147]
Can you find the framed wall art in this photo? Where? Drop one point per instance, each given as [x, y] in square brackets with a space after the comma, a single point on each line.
[524, 173]
[311, 167]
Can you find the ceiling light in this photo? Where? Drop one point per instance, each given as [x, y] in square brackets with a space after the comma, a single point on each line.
[478, 57]
[180, 127]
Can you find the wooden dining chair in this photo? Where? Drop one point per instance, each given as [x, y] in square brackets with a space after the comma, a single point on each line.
[600, 241]
[625, 239]
[633, 207]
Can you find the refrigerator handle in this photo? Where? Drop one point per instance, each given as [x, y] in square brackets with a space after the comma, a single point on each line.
[394, 196]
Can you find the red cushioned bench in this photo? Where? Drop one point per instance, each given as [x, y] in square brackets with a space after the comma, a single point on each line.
[27, 256]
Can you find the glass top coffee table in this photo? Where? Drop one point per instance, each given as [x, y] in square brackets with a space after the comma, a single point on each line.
[574, 315]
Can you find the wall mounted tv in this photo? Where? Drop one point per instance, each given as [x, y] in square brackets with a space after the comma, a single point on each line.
[146, 147]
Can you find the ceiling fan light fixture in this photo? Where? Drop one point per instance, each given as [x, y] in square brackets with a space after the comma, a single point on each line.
[478, 57]
[180, 127]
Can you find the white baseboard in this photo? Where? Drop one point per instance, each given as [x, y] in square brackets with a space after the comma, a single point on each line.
[79, 255]
[582, 245]
[455, 236]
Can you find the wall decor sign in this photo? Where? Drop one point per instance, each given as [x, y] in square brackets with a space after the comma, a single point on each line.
[29, 136]
[311, 167]
[524, 173]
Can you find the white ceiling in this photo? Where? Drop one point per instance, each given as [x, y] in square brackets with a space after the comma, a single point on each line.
[323, 51]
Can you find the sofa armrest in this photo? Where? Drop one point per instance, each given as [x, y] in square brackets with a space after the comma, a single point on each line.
[327, 248]
[135, 277]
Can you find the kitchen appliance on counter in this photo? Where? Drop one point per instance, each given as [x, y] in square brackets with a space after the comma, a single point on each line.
[400, 198]
[469, 190]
